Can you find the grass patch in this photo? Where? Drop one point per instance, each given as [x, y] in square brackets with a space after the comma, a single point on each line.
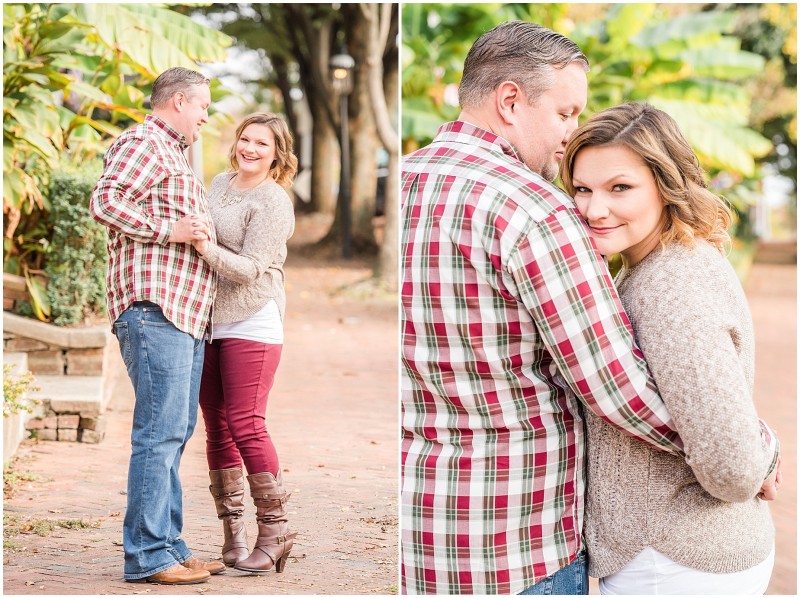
[14, 525]
[43, 527]
[12, 477]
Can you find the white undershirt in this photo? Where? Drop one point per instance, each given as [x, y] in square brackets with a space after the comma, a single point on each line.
[653, 573]
[265, 326]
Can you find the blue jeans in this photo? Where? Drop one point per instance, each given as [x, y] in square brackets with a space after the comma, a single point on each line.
[164, 365]
[572, 580]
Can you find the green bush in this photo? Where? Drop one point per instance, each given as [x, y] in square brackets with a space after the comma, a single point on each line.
[15, 389]
[76, 261]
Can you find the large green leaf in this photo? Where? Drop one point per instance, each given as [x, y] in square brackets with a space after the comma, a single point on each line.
[421, 118]
[721, 64]
[39, 299]
[86, 91]
[706, 91]
[708, 25]
[625, 21]
[155, 38]
[99, 125]
[719, 142]
[40, 144]
[198, 42]
[37, 117]
[13, 187]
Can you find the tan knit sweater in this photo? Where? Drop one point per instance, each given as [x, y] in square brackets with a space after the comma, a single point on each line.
[252, 230]
[693, 324]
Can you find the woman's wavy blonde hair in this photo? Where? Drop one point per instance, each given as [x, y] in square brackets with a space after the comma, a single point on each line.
[693, 212]
[284, 167]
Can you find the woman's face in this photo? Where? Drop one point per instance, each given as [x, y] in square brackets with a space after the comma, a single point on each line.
[255, 150]
[616, 194]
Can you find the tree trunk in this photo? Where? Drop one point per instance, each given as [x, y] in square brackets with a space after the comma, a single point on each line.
[364, 142]
[381, 27]
[324, 161]
[315, 37]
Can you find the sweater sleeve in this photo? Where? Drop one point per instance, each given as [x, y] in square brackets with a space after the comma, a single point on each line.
[688, 326]
[269, 226]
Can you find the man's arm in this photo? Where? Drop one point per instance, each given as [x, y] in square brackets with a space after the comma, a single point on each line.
[567, 289]
[127, 177]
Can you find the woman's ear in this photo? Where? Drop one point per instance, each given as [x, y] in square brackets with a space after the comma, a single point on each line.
[508, 96]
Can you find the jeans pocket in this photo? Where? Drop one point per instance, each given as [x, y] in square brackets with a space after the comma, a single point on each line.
[154, 316]
[124, 339]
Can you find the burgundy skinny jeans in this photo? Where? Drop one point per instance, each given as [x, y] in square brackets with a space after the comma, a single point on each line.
[237, 377]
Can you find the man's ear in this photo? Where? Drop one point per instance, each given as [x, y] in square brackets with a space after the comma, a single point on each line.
[178, 100]
[508, 97]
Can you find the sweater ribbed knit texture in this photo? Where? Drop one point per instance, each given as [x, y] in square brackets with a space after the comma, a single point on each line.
[251, 250]
[692, 321]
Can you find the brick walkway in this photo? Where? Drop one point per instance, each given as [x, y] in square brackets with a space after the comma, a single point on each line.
[772, 293]
[333, 416]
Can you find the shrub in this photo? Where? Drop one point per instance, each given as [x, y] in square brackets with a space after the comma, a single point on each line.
[15, 389]
[76, 262]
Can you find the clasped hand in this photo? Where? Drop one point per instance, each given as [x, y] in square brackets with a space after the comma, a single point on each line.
[194, 229]
[769, 489]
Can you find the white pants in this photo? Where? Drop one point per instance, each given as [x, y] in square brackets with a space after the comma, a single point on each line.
[653, 573]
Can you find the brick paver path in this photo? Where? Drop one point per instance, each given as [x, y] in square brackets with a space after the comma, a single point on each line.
[333, 416]
[772, 293]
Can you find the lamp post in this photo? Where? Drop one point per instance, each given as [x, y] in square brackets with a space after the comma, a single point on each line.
[341, 68]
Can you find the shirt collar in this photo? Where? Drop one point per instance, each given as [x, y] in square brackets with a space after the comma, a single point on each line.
[460, 131]
[161, 126]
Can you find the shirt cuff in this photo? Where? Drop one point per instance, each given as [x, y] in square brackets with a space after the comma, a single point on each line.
[772, 443]
[163, 232]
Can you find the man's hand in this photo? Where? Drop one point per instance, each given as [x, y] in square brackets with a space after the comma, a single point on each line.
[190, 228]
[201, 246]
[769, 489]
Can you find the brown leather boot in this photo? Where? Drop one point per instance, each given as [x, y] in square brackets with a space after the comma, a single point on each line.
[227, 488]
[275, 541]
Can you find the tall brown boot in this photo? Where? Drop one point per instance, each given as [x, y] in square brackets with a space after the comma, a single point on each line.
[227, 488]
[275, 541]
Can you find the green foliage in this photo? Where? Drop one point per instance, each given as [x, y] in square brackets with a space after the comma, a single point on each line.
[687, 60]
[688, 65]
[73, 76]
[15, 389]
[76, 271]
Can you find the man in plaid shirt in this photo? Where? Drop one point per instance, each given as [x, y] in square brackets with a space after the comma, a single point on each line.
[511, 327]
[159, 300]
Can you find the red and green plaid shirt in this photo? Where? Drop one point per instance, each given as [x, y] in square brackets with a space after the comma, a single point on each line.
[511, 328]
[147, 184]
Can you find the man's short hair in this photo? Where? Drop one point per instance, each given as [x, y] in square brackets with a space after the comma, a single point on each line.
[518, 51]
[174, 80]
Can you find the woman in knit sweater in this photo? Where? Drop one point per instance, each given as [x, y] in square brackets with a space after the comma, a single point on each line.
[658, 523]
[253, 217]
